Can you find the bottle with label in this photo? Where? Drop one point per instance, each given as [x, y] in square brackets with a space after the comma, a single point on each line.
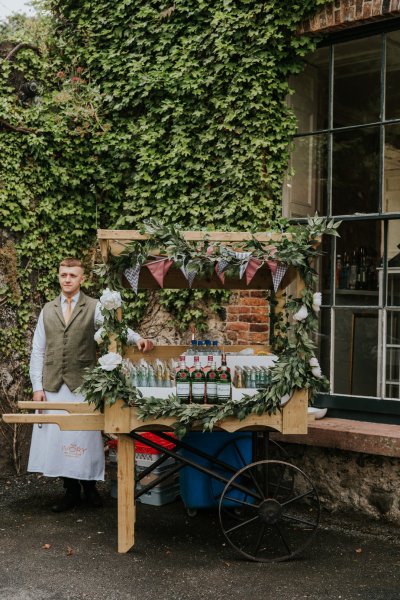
[200, 347]
[344, 275]
[211, 384]
[216, 350]
[182, 379]
[223, 385]
[192, 348]
[339, 267]
[198, 382]
[353, 272]
[209, 363]
[223, 363]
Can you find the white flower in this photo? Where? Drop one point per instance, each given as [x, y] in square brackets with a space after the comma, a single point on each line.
[110, 300]
[314, 362]
[317, 301]
[110, 361]
[301, 314]
[316, 371]
[98, 336]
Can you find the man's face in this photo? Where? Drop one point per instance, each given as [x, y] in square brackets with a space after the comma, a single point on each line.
[70, 279]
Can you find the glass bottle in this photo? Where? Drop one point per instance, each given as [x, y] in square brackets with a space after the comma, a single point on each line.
[198, 382]
[223, 363]
[338, 269]
[223, 385]
[353, 272]
[182, 380]
[209, 363]
[211, 384]
[216, 350]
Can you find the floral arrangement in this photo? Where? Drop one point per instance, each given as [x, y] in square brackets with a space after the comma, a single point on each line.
[296, 368]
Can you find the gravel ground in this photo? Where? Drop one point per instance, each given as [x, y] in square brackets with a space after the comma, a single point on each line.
[72, 556]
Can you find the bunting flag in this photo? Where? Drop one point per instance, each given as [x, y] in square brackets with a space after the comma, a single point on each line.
[132, 275]
[221, 275]
[189, 275]
[221, 266]
[273, 265]
[251, 269]
[278, 276]
[159, 268]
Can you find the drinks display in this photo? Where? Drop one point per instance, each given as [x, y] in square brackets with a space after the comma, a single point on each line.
[251, 377]
[182, 378]
[357, 270]
[198, 382]
[144, 374]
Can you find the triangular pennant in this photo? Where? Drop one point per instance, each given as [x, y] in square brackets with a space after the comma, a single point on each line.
[132, 275]
[159, 268]
[221, 276]
[221, 266]
[189, 275]
[252, 267]
[278, 276]
[272, 265]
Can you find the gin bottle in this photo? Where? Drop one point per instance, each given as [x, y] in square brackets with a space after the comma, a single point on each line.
[211, 385]
[182, 378]
[198, 381]
[223, 385]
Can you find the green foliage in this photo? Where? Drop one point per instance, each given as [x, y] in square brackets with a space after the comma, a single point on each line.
[146, 109]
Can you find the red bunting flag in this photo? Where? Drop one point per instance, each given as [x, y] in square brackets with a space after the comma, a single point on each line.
[252, 267]
[159, 268]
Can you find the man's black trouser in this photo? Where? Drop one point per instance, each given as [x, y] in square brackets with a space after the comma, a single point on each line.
[73, 486]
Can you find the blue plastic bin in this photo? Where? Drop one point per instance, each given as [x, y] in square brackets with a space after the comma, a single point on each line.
[199, 490]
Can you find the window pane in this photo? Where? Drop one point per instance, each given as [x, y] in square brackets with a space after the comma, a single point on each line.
[324, 343]
[392, 169]
[393, 75]
[307, 187]
[358, 256]
[357, 66]
[356, 352]
[310, 98]
[392, 386]
[355, 171]
[393, 271]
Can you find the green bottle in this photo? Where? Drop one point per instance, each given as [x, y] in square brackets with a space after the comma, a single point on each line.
[182, 379]
[223, 385]
[211, 384]
[198, 381]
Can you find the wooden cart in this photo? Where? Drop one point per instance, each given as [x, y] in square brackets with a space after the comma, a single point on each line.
[269, 509]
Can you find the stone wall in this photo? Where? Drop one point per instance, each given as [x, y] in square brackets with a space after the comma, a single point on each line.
[351, 481]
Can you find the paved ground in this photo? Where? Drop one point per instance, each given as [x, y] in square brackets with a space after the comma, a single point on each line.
[73, 556]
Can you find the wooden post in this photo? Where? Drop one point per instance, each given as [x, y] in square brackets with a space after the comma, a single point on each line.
[126, 493]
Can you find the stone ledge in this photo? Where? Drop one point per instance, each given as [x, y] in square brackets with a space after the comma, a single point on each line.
[346, 434]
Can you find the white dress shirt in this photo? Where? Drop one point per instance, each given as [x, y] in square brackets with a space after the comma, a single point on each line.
[39, 341]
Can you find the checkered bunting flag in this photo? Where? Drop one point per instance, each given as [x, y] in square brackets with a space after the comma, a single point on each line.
[278, 276]
[132, 275]
[190, 275]
[222, 265]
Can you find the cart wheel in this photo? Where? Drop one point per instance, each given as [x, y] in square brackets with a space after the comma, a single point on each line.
[232, 453]
[279, 511]
[191, 512]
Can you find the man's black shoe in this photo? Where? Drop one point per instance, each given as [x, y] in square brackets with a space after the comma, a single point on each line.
[68, 502]
[93, 498]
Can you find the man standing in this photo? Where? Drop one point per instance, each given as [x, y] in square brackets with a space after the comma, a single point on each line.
[63, 346]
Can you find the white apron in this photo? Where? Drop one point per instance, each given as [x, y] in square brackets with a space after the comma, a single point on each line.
[56, 453]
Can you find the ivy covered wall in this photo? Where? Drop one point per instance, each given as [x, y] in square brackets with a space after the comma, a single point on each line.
[145, 108]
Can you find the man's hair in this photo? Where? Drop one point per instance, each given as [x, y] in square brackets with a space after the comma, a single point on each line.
[71, 262]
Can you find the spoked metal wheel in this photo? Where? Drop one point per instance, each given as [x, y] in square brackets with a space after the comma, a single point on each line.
[279, 511]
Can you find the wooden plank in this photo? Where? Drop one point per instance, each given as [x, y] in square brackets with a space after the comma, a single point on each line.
[126, 493]
[93, 422]
[164, 352]
[295, 414]
[128, 235]
[117, 418]
[71, 407]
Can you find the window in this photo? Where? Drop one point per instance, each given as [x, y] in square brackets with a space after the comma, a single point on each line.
[346, 165]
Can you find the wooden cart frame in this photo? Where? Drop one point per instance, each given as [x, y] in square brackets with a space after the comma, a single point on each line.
[123, 422]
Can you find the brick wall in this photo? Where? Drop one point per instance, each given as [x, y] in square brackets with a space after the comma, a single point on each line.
[247, 318]
[340, 14]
